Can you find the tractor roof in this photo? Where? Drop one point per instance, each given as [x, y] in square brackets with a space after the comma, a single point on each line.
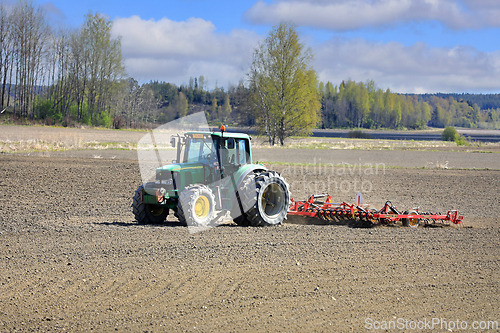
[223, 134]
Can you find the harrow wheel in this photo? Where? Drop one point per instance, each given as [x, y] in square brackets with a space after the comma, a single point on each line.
[410, 222]
[146, 213]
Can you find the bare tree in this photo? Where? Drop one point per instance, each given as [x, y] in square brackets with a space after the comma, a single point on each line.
[6, 48]
[58, 70]
[134, 103]
[78, 69]
[105, 63]
[30, 33]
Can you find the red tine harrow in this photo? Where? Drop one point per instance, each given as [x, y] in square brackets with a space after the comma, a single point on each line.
[335, 212]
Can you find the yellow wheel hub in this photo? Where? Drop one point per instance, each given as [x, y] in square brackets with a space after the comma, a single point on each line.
[413, 222]
[202, 207]
[157, 211]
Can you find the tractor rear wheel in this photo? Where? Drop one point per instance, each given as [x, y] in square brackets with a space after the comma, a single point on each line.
[242, 220]
[197, 205]
[146, 213]
[409, 222]
[265, 197]
[240, 217]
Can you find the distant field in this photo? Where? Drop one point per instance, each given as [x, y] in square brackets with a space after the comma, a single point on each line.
[432, 134]
[120, 144]
[46, 139]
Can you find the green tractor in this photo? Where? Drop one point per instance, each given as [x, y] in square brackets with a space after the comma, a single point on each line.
[213, 175]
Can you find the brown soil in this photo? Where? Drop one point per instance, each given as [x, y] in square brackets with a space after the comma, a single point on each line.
[72, 258]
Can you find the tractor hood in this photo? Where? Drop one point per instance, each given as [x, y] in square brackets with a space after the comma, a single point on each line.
[179, 166]
[180, 175]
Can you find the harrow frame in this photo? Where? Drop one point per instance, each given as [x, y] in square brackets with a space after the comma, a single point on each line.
[328, 211]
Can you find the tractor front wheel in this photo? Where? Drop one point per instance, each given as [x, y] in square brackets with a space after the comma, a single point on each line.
[197, 205]
[146, 213]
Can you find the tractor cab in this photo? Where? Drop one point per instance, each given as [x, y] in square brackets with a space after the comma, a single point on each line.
[208, 158]
[217, 154]
[213, 172]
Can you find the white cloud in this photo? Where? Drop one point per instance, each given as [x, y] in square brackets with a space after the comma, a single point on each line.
[50, 9]
[171, 51]
[175, 51]
[412, 69]
[342, 15]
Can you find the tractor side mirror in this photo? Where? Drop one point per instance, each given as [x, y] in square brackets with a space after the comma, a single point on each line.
[230, 143]
[172, 142]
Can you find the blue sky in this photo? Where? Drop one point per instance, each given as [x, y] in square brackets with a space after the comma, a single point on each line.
[409, 46]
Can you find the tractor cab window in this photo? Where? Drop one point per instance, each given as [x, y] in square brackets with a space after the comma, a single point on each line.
[199, 149]
[207, 149]
[234, 152]
[226, 153]
[193, 150]
[242, 151]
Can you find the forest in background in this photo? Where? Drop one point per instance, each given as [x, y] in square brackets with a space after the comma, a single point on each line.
[74, 77]
[348, 105]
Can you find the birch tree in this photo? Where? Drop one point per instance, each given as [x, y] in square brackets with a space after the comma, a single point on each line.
[284, 85]
[30, 35]
[101, 59]
[6, 50]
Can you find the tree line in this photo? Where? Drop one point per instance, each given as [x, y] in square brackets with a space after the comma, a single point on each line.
[363, 105]
[349, 105]
[61, 75]
[77, 76]
[484, 101]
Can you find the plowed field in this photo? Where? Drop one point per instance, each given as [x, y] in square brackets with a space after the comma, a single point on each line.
[72, 258]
